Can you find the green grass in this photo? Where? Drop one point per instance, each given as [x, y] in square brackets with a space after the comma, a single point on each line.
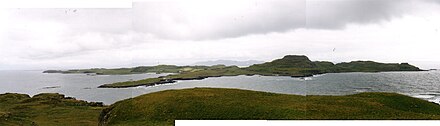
[162, 108]
[47, 110]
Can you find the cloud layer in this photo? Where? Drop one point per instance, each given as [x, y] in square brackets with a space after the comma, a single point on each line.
[201, 20]
[173, 32]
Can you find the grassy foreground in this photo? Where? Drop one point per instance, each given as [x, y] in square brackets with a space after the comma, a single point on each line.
[162, 108]
[47, 110]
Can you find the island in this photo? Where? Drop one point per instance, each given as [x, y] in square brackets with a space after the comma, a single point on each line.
[290, 65]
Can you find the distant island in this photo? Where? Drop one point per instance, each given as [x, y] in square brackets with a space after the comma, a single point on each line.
[134, 70]
[229, 63]
[290, 65]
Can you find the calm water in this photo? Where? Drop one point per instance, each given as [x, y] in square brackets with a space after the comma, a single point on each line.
[425, 85]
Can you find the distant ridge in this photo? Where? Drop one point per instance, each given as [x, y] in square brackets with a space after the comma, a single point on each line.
[229, 63]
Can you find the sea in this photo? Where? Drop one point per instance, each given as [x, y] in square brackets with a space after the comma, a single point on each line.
[422, 84]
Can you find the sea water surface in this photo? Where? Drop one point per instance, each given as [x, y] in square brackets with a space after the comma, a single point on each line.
[424, 84]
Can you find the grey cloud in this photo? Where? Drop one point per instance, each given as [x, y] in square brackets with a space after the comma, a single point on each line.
[322, 14]
[170, 20]
[435, 1]
[55, 33]
[178, 20]
[117, 36]
[164, 19]
[81, 20]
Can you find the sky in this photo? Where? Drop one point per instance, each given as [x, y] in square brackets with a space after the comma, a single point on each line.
[184, 32]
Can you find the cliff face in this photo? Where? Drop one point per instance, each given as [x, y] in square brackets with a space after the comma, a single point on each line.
[104, 116]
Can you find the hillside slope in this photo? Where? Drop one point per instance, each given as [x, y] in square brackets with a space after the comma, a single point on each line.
[162, 108]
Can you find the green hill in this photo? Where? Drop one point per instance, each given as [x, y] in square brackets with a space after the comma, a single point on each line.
[162, 108]
[299, 65]
[47, 109]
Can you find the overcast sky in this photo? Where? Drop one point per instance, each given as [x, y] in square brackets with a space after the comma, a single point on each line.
[173, 32]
